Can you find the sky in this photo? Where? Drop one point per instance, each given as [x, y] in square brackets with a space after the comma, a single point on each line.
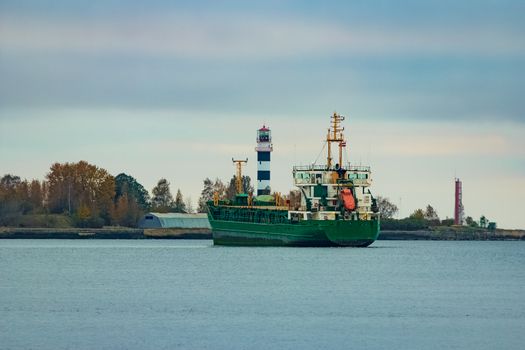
[431, 90]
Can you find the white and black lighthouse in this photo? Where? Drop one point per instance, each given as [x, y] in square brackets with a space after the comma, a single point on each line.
[264, 149]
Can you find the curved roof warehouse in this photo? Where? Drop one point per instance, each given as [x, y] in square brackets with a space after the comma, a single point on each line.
[174, 220]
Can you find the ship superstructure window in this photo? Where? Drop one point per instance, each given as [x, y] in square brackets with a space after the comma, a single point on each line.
[302, 176]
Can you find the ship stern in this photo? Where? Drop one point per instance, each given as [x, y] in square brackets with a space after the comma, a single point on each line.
[358, 233]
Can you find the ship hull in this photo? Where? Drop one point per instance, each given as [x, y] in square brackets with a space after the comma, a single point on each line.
[311, 233]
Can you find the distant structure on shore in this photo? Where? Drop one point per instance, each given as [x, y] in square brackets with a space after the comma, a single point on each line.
[264, 149]
[174, 221]
[458, 204]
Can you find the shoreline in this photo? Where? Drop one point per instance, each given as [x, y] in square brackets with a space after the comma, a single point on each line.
[102, 233]
[452, 234]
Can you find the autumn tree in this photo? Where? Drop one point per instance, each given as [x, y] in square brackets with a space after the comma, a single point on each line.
[120, 209]
[82, 190]
[128, 184]
[219, 188]
[471, 222]
[431, 214]
[418, 214]
[189, 205]
[8, 185]
[179, 206]
[162, 200]
[386, 207]
[231, 190]
[22, 195]
[206, 195]
[19, 197]
[10, 205]
[483, 221]
[126, 211]
[131, 201]
[36, 196]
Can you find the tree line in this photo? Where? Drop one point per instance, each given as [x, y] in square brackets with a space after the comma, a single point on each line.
[91, 197]
[87, 194]
[223, 191]
[419, 219]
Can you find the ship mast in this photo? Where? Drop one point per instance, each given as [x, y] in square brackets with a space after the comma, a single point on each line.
[238, 180]
[335, 134]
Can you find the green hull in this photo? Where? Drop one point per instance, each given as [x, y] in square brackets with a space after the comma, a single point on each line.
[311, 233]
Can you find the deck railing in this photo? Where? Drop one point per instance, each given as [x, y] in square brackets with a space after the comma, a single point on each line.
[318, 167]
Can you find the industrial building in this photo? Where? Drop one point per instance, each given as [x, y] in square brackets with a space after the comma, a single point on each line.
[174, 221]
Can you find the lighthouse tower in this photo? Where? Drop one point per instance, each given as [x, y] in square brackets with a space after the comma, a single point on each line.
[458, 203]
[264, 148]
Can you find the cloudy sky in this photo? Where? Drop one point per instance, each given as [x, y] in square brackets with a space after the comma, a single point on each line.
[431, 90]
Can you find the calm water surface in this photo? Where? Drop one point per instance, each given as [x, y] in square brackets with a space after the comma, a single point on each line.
[138, 294]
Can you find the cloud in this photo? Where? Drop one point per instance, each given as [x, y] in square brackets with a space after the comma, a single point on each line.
[445, 139]
[242, 37]
[446, 145]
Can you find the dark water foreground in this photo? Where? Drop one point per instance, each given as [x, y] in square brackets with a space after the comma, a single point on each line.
[139, 294]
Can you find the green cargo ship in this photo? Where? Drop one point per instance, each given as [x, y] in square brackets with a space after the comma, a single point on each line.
[335, 208]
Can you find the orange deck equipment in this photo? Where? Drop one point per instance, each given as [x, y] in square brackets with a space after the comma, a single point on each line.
[348, 199]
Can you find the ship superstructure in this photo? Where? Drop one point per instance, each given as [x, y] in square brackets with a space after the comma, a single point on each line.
[335, 190]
